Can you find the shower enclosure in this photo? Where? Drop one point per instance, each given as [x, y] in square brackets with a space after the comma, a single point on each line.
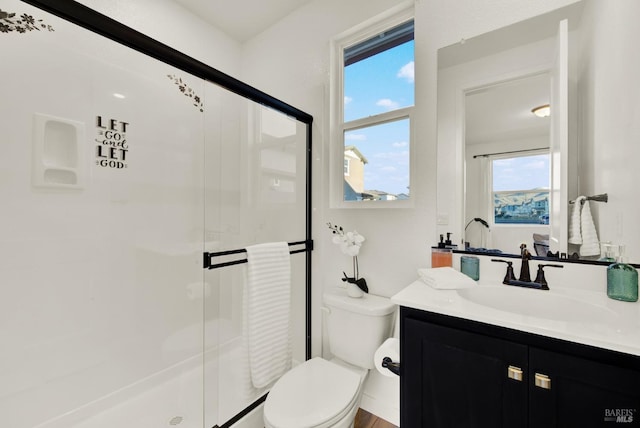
[131, 178]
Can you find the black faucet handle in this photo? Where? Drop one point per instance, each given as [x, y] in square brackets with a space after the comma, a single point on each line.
[510, 276]
[540, 279]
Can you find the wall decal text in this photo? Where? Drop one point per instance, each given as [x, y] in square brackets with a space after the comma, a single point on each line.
[112, 147]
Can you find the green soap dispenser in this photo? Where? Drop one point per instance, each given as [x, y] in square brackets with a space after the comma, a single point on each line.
[622, 280]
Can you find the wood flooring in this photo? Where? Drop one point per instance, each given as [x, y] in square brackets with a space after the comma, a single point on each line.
[365, 419]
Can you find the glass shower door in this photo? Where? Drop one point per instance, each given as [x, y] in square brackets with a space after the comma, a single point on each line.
[255, 192]
[101, 282]
[118, 172]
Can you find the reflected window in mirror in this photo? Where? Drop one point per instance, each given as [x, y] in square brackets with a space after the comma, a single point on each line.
[373, 103]
[520, 189]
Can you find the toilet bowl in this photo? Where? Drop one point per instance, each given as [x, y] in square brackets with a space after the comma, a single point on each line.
[317, 393]
[323, 393]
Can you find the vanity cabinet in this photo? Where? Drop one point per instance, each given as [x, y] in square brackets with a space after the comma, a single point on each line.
[459, 373]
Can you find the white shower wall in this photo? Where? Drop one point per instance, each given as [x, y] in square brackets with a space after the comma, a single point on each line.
[106, 314]
[95, 281]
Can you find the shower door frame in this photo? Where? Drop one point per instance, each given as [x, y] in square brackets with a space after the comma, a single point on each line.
[98, 23]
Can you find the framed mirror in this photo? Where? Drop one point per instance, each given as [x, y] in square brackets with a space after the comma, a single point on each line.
[502, 180]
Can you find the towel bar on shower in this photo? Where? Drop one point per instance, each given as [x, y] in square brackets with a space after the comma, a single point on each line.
[597, 198]
[207, 257]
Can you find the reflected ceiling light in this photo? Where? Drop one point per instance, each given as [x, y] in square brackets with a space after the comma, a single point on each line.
[542, 111]
[117, 95]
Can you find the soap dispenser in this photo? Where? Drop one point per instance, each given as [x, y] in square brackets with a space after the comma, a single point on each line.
[622, 280]
[441, 254]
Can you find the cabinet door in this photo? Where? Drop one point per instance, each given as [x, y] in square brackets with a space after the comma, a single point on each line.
[457, 379]
[581, 393]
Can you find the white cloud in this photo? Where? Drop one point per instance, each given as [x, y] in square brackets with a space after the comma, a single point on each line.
[387, 103]
[355, 137]
[393, 156]
[400, 144]
[503, 162]
[407, 72]
[347, 100]
[540, 164]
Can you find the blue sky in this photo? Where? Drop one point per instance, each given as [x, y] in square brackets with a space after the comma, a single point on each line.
[378, 84]
[521, 173]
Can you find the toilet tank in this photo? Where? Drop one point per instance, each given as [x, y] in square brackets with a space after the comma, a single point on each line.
[356, 327]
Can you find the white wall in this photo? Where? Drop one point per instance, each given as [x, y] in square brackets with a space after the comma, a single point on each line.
[610, 119]
[170, 23]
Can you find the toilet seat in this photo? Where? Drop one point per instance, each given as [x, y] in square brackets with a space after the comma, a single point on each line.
[317, 394]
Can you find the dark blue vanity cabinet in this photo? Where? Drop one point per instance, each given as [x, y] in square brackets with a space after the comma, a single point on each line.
[458, 373]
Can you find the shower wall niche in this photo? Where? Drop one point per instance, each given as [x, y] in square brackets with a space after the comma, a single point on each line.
[58, 152]
[118, 171]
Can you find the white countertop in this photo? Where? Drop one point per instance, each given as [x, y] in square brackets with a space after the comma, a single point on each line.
[581, 316]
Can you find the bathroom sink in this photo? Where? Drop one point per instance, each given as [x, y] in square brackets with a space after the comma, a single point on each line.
[538, 303]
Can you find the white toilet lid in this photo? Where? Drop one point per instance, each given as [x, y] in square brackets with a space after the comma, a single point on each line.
[311, 394]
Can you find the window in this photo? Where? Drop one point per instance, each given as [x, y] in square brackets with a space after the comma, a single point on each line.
[373, 98]
[521, 189]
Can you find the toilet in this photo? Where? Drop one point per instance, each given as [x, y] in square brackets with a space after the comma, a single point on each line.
[320, 393]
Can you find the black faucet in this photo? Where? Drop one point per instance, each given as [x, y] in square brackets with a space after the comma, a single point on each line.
[525, 275]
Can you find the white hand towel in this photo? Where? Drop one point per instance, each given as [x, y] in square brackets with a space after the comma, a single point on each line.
[575, 235]
[590, 244]
[445, 278]
[268, 292]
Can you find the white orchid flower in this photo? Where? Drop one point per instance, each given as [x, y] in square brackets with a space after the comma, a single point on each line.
[350, 243]
[353, 250]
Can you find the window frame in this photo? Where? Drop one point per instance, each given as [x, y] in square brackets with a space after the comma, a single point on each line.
[394, 17]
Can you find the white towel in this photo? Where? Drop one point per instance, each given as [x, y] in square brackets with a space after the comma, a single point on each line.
[445, 278]
[590, 245]
[575, 235]
[268, 293]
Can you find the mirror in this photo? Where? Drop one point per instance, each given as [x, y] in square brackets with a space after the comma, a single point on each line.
[506, 162]
[495, 185]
